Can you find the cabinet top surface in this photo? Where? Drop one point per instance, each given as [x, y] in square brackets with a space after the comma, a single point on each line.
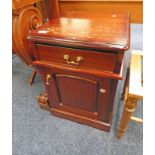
[100, 31]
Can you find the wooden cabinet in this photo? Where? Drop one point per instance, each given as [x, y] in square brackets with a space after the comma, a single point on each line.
[80, 69]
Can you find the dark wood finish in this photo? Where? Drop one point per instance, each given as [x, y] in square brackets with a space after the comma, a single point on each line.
[106, 61]
[94, 32]
[81, 71]
[82, 91]
[52, 8]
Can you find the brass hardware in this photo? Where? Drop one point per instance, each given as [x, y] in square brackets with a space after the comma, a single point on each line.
[102, 90]
[78, 59]
[48, 76]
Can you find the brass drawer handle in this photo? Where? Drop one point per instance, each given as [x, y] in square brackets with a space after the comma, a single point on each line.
[76, 62]
[48, 77]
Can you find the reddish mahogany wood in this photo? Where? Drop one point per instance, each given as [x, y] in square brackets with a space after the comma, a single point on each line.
[79, 111]
[79, 70]
[84, 92]
[52, 7]
[105, 61]
[104, 32]
[25, 19]
[81, 119]
[73, 91]
[78, 94]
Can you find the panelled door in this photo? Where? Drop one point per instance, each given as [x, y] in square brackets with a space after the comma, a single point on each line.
[77, 93]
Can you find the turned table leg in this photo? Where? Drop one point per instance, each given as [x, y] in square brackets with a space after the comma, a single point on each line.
[129, 108]
[126, 84]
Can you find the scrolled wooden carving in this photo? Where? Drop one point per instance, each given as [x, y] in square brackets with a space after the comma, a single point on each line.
[24, 21]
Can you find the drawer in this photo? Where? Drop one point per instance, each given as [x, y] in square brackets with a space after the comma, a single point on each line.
[77, 57]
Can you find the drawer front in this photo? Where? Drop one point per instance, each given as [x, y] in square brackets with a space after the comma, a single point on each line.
[77, 57]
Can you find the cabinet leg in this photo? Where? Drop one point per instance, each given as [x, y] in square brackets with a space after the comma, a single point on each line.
[129, 108]
[33, 75]
[43, 101]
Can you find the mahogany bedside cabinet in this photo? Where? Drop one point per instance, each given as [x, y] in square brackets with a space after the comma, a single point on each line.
[80, 60]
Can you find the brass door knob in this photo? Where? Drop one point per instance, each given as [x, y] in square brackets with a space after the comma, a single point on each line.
[48, 77]
[102, 90]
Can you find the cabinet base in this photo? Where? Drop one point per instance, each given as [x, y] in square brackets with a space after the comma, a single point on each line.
[44, 104]
[81, 119]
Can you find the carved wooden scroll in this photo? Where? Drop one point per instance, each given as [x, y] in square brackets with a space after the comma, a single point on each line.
[24, 20]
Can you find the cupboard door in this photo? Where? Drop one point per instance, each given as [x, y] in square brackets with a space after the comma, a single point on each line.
[80, 94]
[77, 91]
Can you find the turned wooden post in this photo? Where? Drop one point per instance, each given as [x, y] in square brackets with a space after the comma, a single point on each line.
[129, 108]
[133, 91]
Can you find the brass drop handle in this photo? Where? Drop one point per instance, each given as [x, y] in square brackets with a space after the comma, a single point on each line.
[76, 62]
[48, 77]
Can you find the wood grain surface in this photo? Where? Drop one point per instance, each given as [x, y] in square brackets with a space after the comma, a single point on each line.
[106, 31]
